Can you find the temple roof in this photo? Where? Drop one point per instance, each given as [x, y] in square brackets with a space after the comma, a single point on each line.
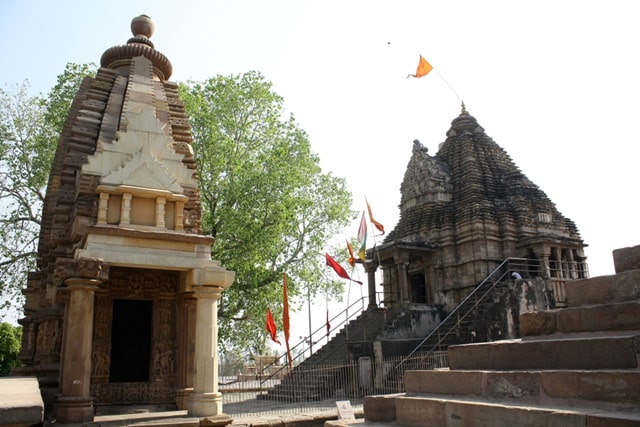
[471, 180]
[126, 127]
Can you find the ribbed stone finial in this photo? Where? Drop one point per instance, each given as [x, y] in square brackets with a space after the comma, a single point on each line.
[464, 109]
[142, 26]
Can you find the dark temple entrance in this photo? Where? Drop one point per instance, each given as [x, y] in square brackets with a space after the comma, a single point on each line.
[131, 341]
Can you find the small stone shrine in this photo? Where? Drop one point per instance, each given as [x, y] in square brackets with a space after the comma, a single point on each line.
[122, 307]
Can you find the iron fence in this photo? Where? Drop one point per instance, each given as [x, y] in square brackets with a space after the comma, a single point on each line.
[318, 388]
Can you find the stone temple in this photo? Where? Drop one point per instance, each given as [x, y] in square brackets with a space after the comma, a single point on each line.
[462, 212]
[122, 307]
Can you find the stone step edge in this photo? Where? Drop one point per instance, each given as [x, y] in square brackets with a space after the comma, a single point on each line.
[612, 288]
[578, 352]
[475, 409]
[622, 387]
[586, 318]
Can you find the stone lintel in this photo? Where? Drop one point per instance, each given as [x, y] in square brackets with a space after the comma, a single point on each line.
[148, 193]
[138, 249]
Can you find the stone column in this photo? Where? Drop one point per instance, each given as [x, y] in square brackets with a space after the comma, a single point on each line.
[186, 329]
[371, 267]
[402, 262]
[206, 401]
[75, 405]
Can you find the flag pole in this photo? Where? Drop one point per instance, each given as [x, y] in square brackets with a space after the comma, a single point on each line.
[450, 87]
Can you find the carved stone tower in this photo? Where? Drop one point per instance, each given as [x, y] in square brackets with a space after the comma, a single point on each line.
[462, 212]
[122, 307]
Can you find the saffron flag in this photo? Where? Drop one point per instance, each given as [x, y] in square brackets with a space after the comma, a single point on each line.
[285, 319]
[271, 326]
[338, 268]
[423, 68]
[375, 223]
[362, 238]
[352, 258]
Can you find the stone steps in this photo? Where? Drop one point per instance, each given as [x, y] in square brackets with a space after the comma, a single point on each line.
[620, 287]
[535, 387]
[589, 318]
[610, 351]
[456, 411]
[575, 366]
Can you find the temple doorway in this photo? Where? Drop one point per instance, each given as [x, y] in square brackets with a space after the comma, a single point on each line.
[130, 341]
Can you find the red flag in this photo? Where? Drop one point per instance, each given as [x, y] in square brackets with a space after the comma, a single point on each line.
[376, 224]
[338, 268]
[328, 324]
[285, 319]
[271, 326]
[352, 258]
[423, 68]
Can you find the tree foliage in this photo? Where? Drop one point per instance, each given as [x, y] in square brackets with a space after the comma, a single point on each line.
[265, 200]
[10, 340]
[29, 130]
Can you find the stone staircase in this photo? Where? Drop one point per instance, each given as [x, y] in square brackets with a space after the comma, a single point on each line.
[572, 366]
[301, 385]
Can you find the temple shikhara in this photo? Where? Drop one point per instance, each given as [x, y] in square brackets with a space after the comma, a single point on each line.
[463, 211]
[122, 306]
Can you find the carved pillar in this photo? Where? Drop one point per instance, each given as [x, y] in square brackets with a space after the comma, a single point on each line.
[371, 267]
[546, 263]
[205, 400]
[75, 405]
[402, 262]
[186, 328]
[125, 209]
[161, 203]
[78, 279]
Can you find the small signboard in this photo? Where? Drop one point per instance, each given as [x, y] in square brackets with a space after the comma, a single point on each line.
[345, 411]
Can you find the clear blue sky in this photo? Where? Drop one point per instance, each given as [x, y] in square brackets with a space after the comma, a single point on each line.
[555, 83]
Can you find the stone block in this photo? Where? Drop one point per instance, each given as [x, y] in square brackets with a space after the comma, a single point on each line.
[626, 259]
[20, 402]
[538, 323]
[608, 352]
[380, 408]
[444, 382]
[605, 317]
[418, 411]
[618, 388]
[604, 289]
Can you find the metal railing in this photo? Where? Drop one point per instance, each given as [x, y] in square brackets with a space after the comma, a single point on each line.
[436, 339]
[280, 366]
[318, 388]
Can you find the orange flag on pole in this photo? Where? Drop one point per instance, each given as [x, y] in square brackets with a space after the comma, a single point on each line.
[271, 326]
[352, 258]
[375, 223]
[423, 68]
[285, 319]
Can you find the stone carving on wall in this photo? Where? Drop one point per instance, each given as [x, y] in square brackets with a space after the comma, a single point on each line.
[101, 352]
[48, 337]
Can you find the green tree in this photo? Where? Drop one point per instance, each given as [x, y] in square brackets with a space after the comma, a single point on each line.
[10, 341]
[29, 131]
[265, 200]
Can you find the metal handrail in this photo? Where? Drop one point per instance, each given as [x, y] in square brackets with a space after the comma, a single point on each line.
[309, 339]
[456, 310]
